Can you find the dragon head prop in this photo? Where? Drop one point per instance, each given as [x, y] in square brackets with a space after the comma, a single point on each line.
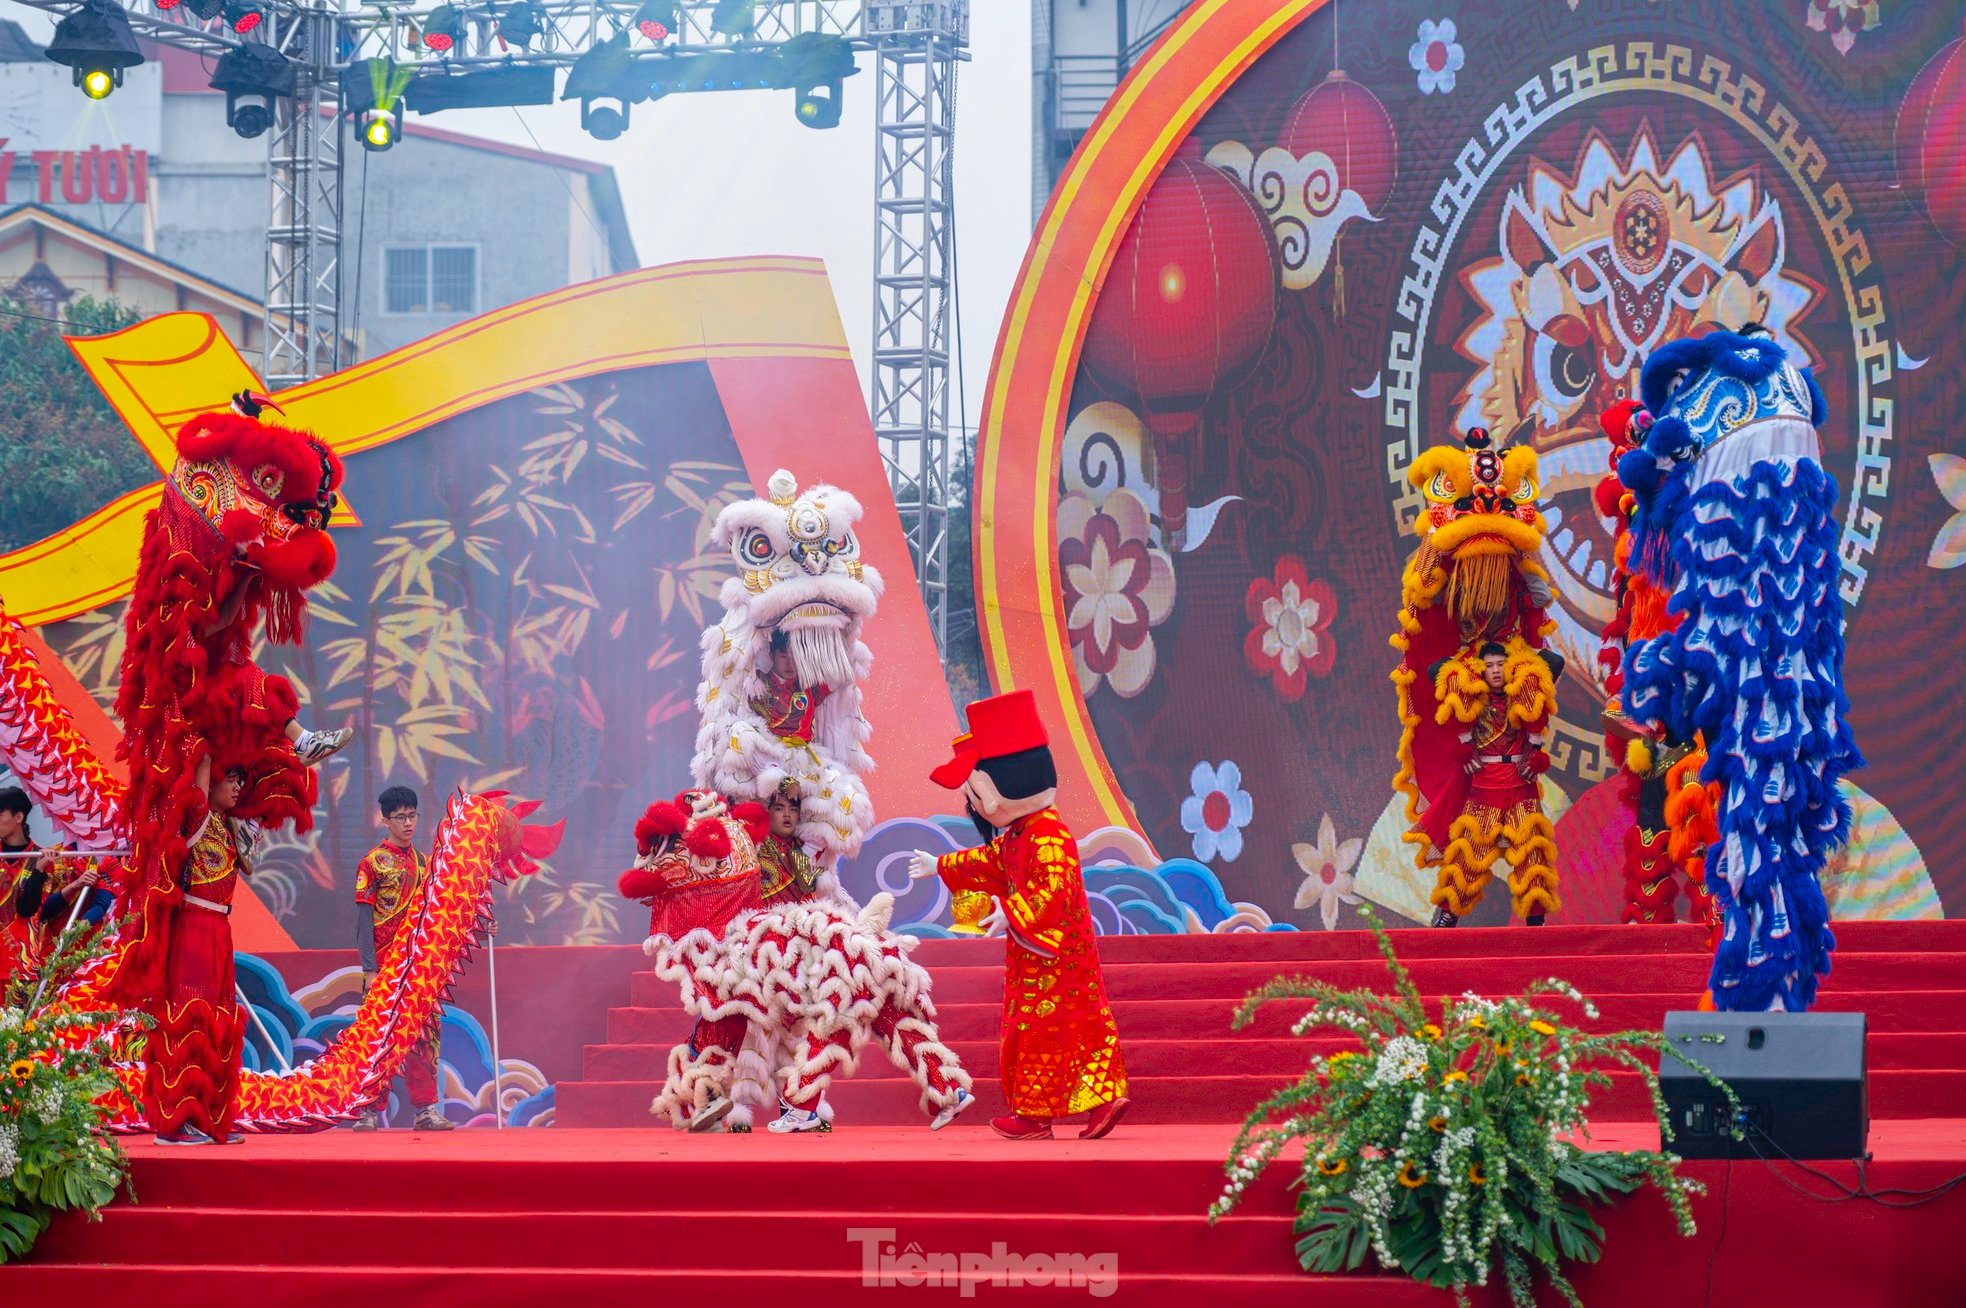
[799, 572]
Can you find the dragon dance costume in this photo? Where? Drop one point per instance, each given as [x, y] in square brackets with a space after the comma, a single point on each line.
[1735, 520]
[387, 881]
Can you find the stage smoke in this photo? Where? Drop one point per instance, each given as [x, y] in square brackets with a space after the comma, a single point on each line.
[822, 656]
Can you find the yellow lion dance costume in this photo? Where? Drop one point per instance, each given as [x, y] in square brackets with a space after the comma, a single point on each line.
[1476, 687]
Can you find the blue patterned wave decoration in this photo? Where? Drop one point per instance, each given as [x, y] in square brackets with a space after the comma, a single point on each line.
[297, 1025]
[1175, 897]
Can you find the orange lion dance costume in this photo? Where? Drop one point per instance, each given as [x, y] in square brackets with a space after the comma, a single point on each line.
[1476, 687]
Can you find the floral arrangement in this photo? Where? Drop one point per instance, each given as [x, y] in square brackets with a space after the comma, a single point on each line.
[1444, 1144]
[54, 1074]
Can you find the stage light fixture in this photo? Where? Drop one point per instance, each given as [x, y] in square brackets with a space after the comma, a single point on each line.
[442, 28]
[252, 76]
[243, 18]
[656, 19]
[448, 87]
[815, 64]
[372, 96]
[521, 24]
[604, 81]
[95, 43]
[206, 9]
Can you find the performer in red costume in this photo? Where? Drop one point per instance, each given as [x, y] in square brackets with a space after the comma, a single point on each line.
[191, 1056]
[788, 709]
[386, 883]
[694, 876]
[1061, 1048]
[787, 871]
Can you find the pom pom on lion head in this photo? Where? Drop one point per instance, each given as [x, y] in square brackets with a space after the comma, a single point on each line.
[798, 572]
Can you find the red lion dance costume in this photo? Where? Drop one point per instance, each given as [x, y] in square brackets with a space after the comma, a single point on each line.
[223, 554]
[1654, 853]
[822, 977]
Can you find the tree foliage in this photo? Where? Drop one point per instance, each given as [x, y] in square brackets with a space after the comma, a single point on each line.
[66, 453]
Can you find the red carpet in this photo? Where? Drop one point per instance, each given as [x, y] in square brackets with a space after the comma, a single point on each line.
[1173, 996]
[609, 1216]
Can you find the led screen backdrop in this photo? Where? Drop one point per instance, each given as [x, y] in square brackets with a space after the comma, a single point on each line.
[1431, 216]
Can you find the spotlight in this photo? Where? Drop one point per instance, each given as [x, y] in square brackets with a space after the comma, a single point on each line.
[372, 95]
[243, 18]
[169, 4]
[379, 128]
[605, 73]
[521, 23]
[442, 28]
[252, 76]
[656, 19]
[95, 43]
[814, 65]
[206, 9]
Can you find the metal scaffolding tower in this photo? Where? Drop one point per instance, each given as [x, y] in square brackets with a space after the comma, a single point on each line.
[917, 45]
[914, 272]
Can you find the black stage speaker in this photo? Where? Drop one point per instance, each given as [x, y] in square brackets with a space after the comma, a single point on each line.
[1800, 1077]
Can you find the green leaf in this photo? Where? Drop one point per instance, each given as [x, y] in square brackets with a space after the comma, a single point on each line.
[1333, 1239]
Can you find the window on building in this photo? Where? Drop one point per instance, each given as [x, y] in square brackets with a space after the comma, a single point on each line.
[430, 279]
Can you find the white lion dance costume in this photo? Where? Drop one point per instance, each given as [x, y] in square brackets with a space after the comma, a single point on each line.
[823, 977]
[799, 577]
[1735, 520]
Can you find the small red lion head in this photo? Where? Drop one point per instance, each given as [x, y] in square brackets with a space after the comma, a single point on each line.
[267, 490]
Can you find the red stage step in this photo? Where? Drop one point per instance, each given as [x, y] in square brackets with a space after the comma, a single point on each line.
[526, 1217]
[1173, 996]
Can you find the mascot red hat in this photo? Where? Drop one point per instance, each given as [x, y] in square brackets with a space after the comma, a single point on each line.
[1001, 725]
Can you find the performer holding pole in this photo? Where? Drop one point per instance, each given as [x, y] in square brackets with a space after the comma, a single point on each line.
[1061, 1047]
[386, 882]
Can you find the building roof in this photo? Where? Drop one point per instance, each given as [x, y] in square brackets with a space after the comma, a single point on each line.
[15, 48]
[22, 215]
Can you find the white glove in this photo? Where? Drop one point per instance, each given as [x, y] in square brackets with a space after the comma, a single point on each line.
[994, 923]
[921, 865]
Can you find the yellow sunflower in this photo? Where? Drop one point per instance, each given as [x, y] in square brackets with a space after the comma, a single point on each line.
[20, 1069]
[1410, 1176]
[1475, 1175]
[1431, 1031]
[1456, 1075]
[1331, 1166]
[1542, 1028]
[1478, 1022]
[1437, 1125]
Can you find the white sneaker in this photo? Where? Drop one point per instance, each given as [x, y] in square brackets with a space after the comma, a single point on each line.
[713, 1112]
[955, 1109]
[795, 1119]
[313, 746]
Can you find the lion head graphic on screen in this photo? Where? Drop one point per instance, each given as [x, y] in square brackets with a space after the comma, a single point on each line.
[1595, 268]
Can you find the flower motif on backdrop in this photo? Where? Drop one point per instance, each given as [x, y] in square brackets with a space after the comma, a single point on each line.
[1118, 587]
[1217, 811]
[1327, 868]
[1436, 56]
[1842, 19]
[1949, 547]
[1290, 635]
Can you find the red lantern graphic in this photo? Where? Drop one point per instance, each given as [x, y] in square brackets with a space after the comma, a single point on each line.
[1191, 295]
[1345, 122]
[1932, 141]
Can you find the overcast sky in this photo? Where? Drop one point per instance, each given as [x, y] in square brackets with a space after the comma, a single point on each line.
[734, 173]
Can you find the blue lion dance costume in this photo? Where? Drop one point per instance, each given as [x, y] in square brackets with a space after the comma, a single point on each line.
[1735, 520]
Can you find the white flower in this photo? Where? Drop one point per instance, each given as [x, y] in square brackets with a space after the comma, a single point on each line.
[1217, 811]
[9, 1018]
[47, 1103]
[1436, 56]
[1403, 1059]
[9, 1151]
